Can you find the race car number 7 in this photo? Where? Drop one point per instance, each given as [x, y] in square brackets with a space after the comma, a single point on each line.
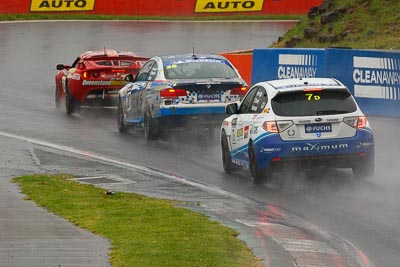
[311, 97]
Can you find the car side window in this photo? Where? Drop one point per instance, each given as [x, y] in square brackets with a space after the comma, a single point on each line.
[260, 100]
[144, 71]
[152, 73]
[247, 102]
[75, 62]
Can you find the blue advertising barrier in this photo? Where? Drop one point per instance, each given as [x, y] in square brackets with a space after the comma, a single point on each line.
[373, 77]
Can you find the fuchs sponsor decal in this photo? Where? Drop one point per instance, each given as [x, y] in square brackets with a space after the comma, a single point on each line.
[207, 97]
[376, 77]
[318, 128]
[212, 6]
[62, 5]
[103, 83]
[297, 66]
[318, 148]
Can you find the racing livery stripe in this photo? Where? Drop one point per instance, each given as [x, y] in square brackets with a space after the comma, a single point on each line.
[244, 147]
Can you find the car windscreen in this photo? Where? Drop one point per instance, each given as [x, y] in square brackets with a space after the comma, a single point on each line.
[311, 103]
[199, 70]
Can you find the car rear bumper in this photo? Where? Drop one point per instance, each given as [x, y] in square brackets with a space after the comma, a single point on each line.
[343, 152]
[101, 97]
[190, 117]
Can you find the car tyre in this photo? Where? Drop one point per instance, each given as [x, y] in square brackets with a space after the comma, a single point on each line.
[150, 129]
[71, 105]
[259, 174]
[363, 168]
[122, 127]
[57, 98]
[226, 156]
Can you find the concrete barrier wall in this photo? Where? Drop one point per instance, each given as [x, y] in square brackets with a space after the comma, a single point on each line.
[160, 7]
[373, 77]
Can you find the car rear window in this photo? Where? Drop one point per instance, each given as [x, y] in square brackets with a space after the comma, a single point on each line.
[311, 103]
[114, 62]
[199, 70]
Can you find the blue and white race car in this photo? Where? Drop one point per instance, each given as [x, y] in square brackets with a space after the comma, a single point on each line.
[179, 91]
[310, 122]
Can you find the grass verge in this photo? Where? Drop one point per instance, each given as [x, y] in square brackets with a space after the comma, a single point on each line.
[143, 231]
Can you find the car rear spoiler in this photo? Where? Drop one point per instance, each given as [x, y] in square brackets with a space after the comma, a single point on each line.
[123, 57]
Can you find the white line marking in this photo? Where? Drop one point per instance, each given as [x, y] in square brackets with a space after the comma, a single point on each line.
[122, 163]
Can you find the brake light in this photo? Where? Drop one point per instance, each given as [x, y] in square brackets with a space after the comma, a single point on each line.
[270, 126]
[312, 89]
[95, 74]
[356, 122]
[86, 74]
[118, 70]
[172, 93]
[239, 90]
[362, 122]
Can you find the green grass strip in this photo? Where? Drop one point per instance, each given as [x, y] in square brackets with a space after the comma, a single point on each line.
[143, 231]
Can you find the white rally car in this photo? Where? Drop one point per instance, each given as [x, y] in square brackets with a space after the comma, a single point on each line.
[179, 91]
[312, 122]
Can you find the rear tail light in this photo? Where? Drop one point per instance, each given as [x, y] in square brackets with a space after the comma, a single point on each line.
[362, 122]
[239, 90]
[270, 126]
[172, 93]
[356, 122]
[88, 74]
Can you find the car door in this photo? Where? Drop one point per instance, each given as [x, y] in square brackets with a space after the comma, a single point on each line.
[241, 126]
[135, 96]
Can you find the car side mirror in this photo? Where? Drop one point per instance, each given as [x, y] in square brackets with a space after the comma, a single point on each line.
[232, 108]
[60, 67]
[129, 78]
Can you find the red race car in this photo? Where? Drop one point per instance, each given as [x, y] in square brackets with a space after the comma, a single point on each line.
[95, 78]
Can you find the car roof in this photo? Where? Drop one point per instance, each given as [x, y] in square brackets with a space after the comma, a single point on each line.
[303, 83]
[107, 53]
[170, 59]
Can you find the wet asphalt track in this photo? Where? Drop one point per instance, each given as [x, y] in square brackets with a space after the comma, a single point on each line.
[331, 220]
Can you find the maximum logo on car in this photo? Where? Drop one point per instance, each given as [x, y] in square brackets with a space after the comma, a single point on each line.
[318, 148]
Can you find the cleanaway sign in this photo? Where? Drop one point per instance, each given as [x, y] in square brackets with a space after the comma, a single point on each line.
[270, 64]
[373, 77]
